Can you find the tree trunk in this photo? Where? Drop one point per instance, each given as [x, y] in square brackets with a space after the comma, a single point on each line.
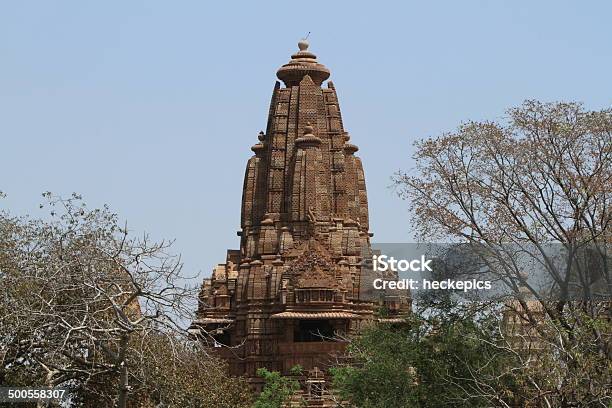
[123, 387]
[123, 379]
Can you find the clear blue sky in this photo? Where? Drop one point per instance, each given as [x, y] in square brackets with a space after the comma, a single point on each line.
[152, 106]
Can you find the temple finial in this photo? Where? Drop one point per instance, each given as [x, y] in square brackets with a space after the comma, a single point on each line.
[303, 44]
[302, 63]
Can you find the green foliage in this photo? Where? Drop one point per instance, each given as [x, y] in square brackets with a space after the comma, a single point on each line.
[382, 311]
[425, 363]
[296, 370]
[278, 389]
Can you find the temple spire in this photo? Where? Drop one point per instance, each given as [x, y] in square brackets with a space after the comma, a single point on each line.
[304, 233]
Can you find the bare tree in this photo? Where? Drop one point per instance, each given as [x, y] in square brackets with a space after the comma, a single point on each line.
[83, 302]
[516, 190]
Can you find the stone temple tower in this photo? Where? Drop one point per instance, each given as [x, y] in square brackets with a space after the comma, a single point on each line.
[298, 283]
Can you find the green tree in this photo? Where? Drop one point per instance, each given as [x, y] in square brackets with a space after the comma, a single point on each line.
[428, 362]
[278, 389]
